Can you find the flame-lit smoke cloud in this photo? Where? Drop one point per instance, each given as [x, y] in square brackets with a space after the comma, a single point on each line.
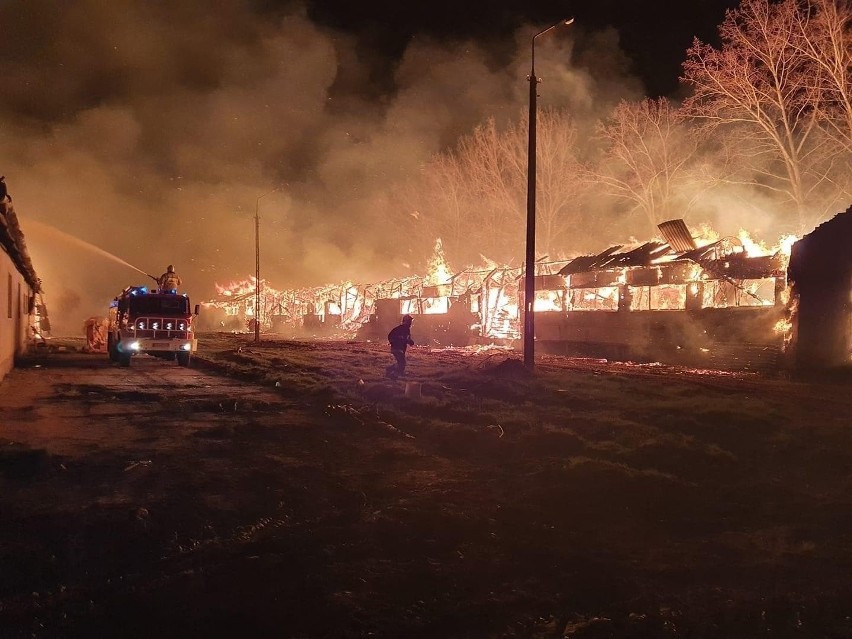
[151, 129]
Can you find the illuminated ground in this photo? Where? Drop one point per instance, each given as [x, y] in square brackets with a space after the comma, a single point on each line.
[303, 495]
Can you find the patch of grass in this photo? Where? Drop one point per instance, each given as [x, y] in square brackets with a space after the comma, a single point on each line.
[22, 462]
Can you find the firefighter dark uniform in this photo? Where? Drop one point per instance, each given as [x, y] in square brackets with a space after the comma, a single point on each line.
[399, 339]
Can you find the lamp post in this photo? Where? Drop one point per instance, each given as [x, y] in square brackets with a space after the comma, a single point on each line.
[257, 263]
[529, 279]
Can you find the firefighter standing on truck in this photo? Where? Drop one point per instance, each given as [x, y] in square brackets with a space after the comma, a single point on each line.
[169, 281]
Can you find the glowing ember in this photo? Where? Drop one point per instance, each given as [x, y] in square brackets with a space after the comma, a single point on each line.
[783, 325]
[706, 236]
[755, 248]
[785, 244]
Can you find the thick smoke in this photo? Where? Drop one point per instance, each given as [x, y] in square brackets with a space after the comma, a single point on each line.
[152, 130]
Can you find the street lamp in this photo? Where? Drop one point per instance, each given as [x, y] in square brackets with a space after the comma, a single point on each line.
[529, 279]
[257, 263]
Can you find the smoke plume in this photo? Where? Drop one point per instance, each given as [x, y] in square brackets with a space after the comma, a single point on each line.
[155, 131]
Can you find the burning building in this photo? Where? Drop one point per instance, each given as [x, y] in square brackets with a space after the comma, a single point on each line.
[720, 302]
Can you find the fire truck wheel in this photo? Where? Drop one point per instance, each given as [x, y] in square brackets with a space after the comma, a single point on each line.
[113, 355]
[183, 359]
[123, 359]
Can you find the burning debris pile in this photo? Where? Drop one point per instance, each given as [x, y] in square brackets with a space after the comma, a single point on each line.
[721, 300]
[711, 301]
[486, 298]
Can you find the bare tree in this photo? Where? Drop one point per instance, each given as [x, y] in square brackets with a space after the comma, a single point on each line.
[764, 90]
[492, 172]
[437, 204]
[649, 158]
[823, 34]
[560, 181]
[477, 192]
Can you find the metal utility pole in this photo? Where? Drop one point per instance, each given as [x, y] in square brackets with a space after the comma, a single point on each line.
[257, 264]
[529, 270]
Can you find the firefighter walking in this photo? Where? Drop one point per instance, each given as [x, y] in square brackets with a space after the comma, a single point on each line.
[399, 339]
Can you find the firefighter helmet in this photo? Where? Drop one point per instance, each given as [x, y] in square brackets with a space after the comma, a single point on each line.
[171, 269]
[407, 319]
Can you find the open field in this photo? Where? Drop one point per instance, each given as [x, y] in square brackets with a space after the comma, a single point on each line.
[306, 496]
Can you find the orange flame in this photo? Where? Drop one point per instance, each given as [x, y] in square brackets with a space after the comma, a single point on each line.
[438, 270]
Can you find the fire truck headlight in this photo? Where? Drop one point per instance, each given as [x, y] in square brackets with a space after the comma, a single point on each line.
[169, 326]
[187, 346]
[134, 346]
[181, 326]
[140, 324]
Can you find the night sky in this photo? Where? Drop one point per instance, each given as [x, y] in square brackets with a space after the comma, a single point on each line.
[149, 129]
[653, 33]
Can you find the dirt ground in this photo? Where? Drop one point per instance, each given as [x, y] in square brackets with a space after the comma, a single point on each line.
[287, 489]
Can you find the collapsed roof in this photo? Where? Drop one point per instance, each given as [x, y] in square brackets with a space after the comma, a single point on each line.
[12, 240]
[724, 258]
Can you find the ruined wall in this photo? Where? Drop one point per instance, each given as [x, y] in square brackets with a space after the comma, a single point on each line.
[18, 284]
[821, 273]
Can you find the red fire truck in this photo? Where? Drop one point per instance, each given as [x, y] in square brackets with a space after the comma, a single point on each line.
[159, 324]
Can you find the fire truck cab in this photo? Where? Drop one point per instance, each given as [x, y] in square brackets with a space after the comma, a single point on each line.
[158, 324]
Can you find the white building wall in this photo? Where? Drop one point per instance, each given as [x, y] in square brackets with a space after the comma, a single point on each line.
[15, 295]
